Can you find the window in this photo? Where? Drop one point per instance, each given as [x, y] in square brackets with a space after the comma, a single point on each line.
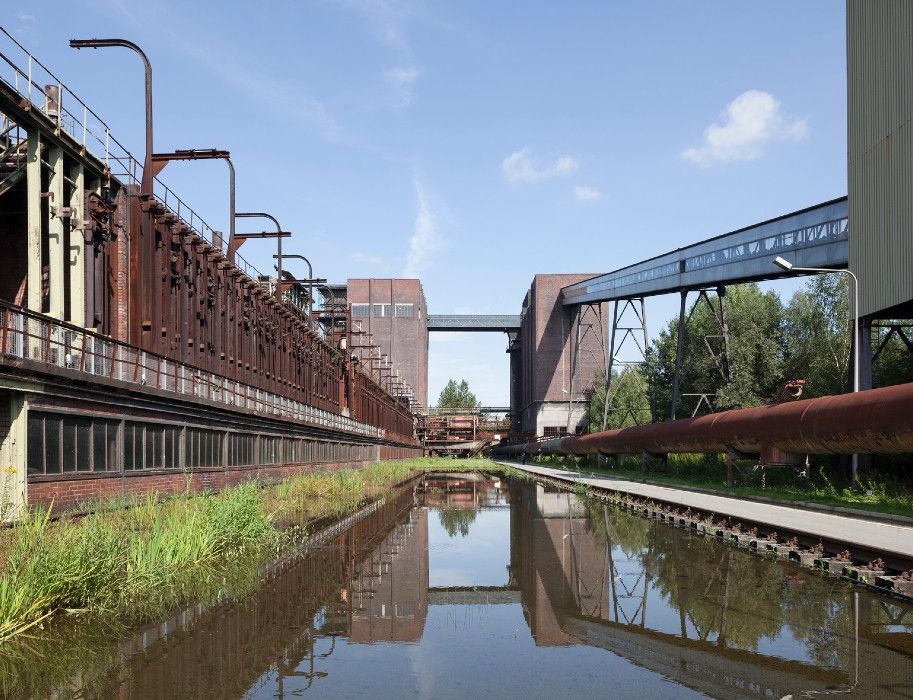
[241, 449]
[67, 444]
[381, 310]
[151, 446]
[203, 448]
[554, 431]
[269, 449]
[404, 310]
[361, 310]
[290, 450]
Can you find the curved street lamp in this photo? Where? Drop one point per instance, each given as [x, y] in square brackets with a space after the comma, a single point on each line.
[786, 265]
[146, 184]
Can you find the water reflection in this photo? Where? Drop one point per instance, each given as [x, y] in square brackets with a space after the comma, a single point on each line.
[468, 586]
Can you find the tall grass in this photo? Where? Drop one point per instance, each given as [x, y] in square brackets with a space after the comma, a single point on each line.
[136, 561]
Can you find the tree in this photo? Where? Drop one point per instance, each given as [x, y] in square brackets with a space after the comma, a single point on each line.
[752, 372]
[457, 396]
[817, 335]
[456, 521]
[629, 403]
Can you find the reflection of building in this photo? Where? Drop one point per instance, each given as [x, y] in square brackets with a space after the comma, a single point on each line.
[584, 576]
[389, 593]
[578, 587]
[460, 491]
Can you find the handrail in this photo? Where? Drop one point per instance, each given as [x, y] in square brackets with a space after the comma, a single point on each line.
[27, 335]
[91, 132]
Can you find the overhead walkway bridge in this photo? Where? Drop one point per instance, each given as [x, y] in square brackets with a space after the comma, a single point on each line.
[483, 323]
[812, 237]
[816, 237]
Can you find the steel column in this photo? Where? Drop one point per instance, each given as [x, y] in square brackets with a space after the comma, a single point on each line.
[56, 234]
[77, 247]
[679, 351]
[33, 206]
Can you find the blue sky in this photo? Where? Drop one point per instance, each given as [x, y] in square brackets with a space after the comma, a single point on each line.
[475, 144]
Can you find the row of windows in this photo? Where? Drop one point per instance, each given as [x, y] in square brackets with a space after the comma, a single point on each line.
[383, 310]
[60, 444]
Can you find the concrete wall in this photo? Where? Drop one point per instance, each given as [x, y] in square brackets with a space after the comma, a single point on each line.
[403, 339]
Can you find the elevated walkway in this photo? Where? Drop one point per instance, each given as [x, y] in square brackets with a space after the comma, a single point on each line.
[812, 237]
[482, 323]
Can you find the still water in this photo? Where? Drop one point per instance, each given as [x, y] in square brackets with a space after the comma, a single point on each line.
[465, 586]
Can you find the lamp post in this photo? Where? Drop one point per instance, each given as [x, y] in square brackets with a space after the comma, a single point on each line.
[146, 184]
[278, 235]
[786, 265]
[160, 160]
[310, 278]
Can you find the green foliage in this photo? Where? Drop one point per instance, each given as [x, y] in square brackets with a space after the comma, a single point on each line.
[629, 403]
[135, 562]
[878, 492]
[457, 396]
[752, 372]
[456, 521]
[817, 334]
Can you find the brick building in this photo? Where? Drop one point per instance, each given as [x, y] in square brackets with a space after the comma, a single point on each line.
[395, 313]
[556, 359]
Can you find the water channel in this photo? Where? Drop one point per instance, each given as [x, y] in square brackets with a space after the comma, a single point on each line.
[464, 586]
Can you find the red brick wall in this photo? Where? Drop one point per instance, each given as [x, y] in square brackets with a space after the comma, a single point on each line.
[73, 493]
[548, 335]
[405, 340]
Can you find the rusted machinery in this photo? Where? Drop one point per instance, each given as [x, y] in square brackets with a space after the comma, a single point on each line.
[457, 434]
[877, 421]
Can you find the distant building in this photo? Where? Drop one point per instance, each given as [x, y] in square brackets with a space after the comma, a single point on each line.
[555, 360]
[395, 314]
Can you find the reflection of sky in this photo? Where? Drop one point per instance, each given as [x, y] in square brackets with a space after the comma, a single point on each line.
[476, 651]
[479, 559]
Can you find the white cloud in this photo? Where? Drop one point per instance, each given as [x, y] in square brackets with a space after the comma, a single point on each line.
[25, 17]
[425, 241]
[519, 166]
[402, 80]
[749, 122]
[585, 193]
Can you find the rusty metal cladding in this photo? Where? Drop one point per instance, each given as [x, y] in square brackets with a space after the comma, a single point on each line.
[877, 421]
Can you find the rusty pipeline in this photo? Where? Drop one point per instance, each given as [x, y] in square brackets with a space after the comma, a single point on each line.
[876, 421]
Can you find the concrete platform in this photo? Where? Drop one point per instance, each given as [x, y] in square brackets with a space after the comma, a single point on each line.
[886, 538]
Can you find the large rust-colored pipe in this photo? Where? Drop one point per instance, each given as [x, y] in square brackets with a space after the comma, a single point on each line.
[877, 421]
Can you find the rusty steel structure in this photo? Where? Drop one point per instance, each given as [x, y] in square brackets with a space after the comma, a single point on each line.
[115, 292]
[875, 421]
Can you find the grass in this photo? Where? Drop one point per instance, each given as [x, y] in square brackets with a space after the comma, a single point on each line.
[881, 493]
[138, 562]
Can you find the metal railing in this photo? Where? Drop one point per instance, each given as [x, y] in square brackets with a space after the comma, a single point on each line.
[49, 343]
[28, 77]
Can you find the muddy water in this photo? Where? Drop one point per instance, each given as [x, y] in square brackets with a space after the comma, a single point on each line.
[458, 588]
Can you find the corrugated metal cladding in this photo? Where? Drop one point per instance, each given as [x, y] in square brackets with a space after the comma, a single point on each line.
[880, 150]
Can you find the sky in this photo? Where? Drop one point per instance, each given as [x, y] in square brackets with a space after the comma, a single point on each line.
[474, 144]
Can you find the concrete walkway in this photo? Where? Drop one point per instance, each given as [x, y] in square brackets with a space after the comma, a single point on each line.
[888, 538]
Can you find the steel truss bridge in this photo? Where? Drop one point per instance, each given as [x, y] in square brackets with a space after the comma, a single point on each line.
[815, 237]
